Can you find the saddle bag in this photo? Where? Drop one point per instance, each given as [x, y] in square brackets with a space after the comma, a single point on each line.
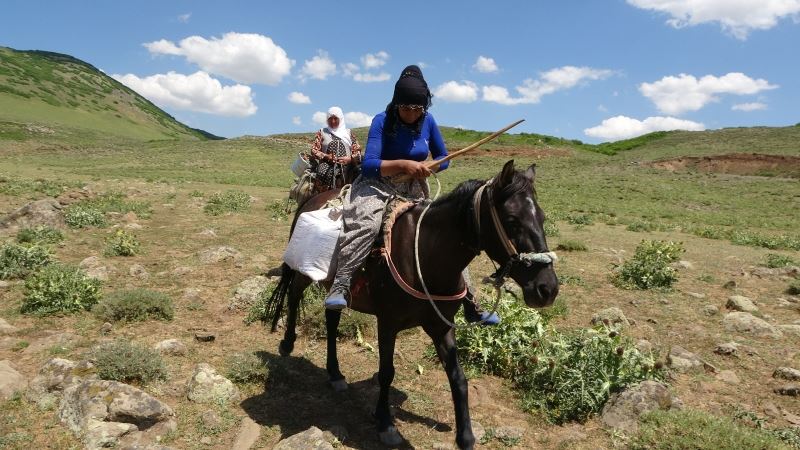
[312, 249]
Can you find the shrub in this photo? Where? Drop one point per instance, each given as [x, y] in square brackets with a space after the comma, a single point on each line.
[571, 246]
[580, 219]
[134, 306]
[40, 235]
[570, 376]
[246, 368]
[18, 261]
[230, 201]
[121, 243]
[551, 229]
[82, 216]
[773, 260]
[698, 430]
[59, 288]
[196, 193]
[650, 266]
[794, 288]
[123, 361]
[280, 209]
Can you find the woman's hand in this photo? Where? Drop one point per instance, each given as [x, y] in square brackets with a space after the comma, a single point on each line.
[344, 160]
[416, 169]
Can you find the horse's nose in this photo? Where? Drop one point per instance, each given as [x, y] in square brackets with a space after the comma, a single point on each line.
[547, 291]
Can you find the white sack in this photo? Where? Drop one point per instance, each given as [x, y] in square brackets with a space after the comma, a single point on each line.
[312, 248]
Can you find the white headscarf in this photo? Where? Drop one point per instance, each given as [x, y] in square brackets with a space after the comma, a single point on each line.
[341, 131]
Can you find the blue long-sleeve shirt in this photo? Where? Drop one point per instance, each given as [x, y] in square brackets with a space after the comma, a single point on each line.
[403, 145]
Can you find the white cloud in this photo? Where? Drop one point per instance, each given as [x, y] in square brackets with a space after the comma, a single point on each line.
[373, 61]
[319, 67]
[296, 120]
[532, 91]
[755, 106]
[349, 69]
[485, 65]
[737, 17]
[299, 98]
[622, 127]
[353, 119]
[676, 95]
[320, 118]
[371, 78]
[195, 92]
[242, 57]
[453, 91]
[184, 18]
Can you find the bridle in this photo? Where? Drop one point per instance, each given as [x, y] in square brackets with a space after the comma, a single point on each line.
[527, 259]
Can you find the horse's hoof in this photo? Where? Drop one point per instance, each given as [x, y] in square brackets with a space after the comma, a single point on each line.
[339, 385]
[285, 348]
[391, 437]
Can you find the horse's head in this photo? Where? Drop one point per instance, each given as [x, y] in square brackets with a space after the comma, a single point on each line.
[524, 253]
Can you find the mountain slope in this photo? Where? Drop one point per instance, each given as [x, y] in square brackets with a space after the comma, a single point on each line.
[59, 90]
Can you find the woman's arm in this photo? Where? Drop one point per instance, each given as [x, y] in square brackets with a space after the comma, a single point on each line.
[436, 143]
[316, 148]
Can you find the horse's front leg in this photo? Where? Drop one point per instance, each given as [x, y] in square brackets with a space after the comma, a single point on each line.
[335, 376]
[444, 339]
[298, 286]
[387, 432]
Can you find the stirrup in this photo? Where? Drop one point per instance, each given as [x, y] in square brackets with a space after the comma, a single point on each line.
[474, 314]
[335, 301]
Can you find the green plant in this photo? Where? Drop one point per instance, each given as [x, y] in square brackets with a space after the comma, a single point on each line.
[650, 266]
[551, 229]
[81, 216]
[21, 345]
[134, 306]
[232, 200]
[774, 260]
[120, 360]
[569, 245]
[121, 243]
[19, 261]
[668, 430]
[40, 235]
[794, 288]
[580, 219]
[59, 288]
[246, 368]
[196, 193]
[280, 209]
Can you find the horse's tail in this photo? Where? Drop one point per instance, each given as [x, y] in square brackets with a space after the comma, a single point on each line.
[274, 306]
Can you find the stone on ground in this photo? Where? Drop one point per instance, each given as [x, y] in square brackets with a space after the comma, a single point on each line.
[623, 409]
[7, 328]
[610, 316]
[247, 292]
[46, 212]
[172, 347]
[249, 433]
[684, 361]
[214, 255]
[56, 375]
[787, 373]
[207, 386]
[742, 322]
[11, 381]
[741, 303]
[311, 439]
[94, 268]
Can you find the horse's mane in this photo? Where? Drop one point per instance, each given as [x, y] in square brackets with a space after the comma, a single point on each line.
[461, 197]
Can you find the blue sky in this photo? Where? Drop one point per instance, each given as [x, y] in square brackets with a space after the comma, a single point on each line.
[590, 70]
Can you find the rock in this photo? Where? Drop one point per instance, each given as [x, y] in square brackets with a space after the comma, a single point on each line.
[478, 430]
[130, 217]
[728, 349]
[205, 336]
[247, 292]
[742, 322]
[172, 347]
[790, 329]
[728, 376]
[792, 390]
[106, 328]
[710, 310]
[207, 386]
[206, 440]
[207, 233]
[339, 432]
[138, 271]
[108, 413]
[211, 420]
[46, 212]
[133, 226]
[56, 375]
[741, 303]
[94, 268]
[787, 373]
[776, 272]
[7, 328]
[478, 394]
[214, 255]
[509, 433]
[644, 346]
[192, 294]
[610, 316]
[683, 361]
[771, 410]
[791, 418]
[311, 439]
[685, 265]
[730, 284]
[249, 433]
[569, 435]
[62, 340]
[11, 381]
[696, 295]
[5, 284]
[623, 409]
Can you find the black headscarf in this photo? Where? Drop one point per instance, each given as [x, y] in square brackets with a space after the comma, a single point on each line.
[410, 89]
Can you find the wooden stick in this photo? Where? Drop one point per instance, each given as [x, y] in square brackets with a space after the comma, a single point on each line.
[435, 163]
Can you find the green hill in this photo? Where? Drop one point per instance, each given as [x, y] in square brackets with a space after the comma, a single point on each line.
[54, 90]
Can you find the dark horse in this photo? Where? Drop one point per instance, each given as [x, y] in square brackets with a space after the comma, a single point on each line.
[451, 235]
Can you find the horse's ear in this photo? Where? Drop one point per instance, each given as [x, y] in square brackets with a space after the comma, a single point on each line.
[506, 175]
[530, 174]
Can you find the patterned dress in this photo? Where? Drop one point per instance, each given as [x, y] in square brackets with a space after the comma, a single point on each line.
[329, 174]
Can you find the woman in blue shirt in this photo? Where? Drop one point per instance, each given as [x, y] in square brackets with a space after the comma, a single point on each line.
[399, 140]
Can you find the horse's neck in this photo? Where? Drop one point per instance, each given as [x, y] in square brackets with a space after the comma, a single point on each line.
[445, 242]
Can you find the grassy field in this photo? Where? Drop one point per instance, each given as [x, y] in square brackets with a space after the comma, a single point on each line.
[606, 204]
